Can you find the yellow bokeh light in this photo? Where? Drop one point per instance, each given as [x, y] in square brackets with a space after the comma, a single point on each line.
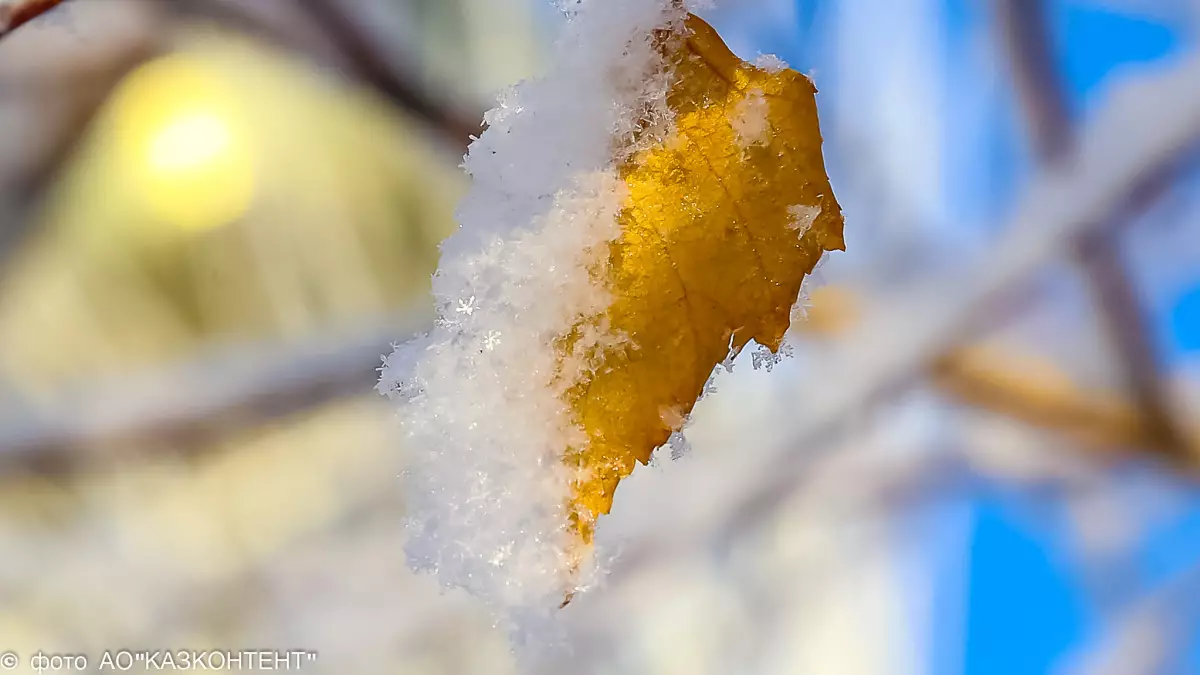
[182, 151]
[189, 142]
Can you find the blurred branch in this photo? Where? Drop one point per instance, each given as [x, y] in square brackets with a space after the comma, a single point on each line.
[88, 90]
[1041, 93]
[1033, 391]
[1154, 634]
[59, 96]
[1020, 386]
[393, 79]
[1035, 77]
[334, 35]
[323, 28]
[16, 13]
[237, 388]
[218, 394]
[287, 379]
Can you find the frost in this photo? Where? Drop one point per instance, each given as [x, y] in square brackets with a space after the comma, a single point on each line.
[762, 358]
[679, 446]
[801, 307]
[710, 385]
[803, 217]
[771, 63]
[466, 306]
[480, 396]
[751, 121]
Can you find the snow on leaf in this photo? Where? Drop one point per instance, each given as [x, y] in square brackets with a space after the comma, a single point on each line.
[707, 259]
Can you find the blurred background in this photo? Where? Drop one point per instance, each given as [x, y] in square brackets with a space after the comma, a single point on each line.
[217, 215]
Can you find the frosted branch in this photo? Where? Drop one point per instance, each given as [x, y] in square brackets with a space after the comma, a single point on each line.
[1098, 256]
[237, 388]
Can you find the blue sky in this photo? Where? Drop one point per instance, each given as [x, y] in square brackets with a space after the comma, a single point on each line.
[1027, 604]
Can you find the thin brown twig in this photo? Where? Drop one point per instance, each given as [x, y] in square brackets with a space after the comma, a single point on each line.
[358, 50]
[370, 63]
[1040, 91]
[1027, 40]
[16, 13]
[451, 119]
[1035, 392]
[70, 102]
[1019, 386]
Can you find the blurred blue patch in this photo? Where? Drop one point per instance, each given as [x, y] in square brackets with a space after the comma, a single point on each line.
[786, 28]
[1185, 321]
[1025, 610]
[1172, 546]
[1193, 661]
[1027, 607]
[1092, 41]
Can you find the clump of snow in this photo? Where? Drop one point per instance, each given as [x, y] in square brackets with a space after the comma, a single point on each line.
[771, 63]
[480, 396]
[751, 121]
[802, 217]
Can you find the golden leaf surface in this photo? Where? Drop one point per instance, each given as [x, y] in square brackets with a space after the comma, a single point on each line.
[723, 221]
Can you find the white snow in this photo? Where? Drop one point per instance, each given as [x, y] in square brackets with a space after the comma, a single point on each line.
[480, 396]
[803, 217]
[750, 118]
[771, 63]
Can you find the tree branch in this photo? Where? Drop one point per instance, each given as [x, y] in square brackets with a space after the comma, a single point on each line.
[1020, 386]
[344, 37]
[335, 37]
[213, 395]
[1034, 392]
[16, 13]
[1040, 91]
[363, 51]
[53, 91]
[1154, 633]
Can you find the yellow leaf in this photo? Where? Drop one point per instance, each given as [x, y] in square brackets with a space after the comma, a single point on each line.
[723, 221]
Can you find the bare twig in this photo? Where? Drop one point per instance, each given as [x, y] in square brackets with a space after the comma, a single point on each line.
[1020, 386]
[57, 98]
[362, 49]
[16, 13]
[221, 393]
[1040, 91]
[1035, 392]
[342, 38]
[337, 39]
[1025, 35]
[1153, 634]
